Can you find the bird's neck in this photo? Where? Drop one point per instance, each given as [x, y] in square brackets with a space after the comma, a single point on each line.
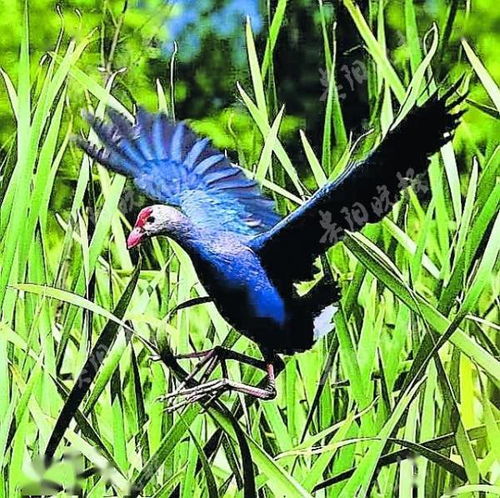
[188, 236]
[200, 242]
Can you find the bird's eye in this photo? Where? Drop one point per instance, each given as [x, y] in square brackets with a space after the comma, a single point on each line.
[151, 219]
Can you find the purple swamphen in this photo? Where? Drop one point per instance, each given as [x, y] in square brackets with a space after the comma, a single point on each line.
[246, 256]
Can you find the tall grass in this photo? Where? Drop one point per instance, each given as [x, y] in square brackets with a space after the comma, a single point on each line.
[398, 402]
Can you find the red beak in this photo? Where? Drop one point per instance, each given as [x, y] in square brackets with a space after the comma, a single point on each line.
[135, 237]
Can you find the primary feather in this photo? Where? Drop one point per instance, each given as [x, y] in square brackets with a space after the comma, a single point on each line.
[364, 193]
[170, 164]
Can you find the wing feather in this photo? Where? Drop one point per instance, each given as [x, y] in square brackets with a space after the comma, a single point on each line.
[289, 249]
[170, 164]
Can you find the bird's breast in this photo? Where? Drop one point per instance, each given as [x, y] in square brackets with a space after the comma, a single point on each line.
[242, 290]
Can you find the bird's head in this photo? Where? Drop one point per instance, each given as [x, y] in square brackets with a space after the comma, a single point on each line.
[156, 220]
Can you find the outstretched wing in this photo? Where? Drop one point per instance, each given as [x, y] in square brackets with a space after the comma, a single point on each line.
[364, 193]
[170, 164]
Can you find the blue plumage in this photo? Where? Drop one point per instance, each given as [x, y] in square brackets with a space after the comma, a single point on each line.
[170, 164]
[245, 256]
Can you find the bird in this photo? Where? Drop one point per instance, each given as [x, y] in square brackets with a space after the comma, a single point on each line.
[247, 256]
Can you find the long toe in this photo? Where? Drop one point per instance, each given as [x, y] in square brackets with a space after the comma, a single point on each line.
[205, 388]
[204, 392]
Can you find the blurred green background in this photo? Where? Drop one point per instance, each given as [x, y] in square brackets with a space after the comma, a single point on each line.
[138, 37]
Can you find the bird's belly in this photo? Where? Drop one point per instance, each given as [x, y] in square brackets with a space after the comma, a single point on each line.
[243, 305]
[265, 318]
[250, 303]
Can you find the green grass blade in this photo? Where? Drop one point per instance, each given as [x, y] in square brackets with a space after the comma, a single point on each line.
[90, 368]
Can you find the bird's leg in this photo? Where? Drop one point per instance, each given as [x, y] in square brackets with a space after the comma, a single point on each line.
[209, 390]
[213, 389]
[187, 304]
[208, 360]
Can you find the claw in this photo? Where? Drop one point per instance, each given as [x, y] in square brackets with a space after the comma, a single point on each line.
[206, 391]
[202, 393]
